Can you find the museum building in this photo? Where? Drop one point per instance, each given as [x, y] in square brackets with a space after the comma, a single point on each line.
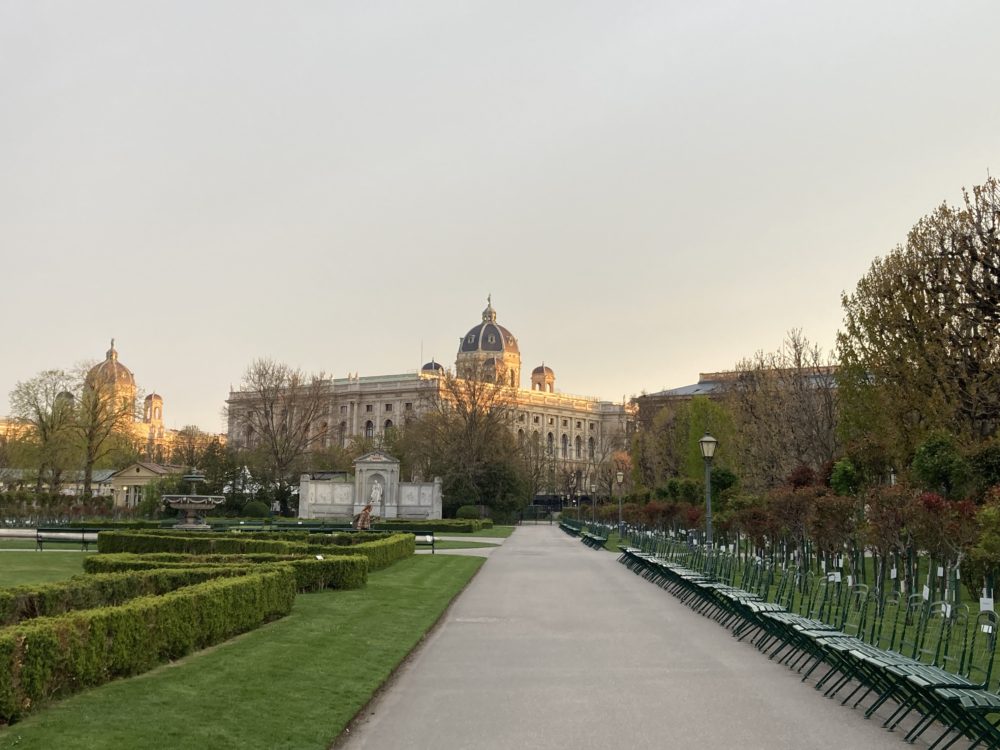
[577, 432]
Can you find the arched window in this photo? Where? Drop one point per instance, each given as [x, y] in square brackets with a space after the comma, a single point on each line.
[520, 437]
[324, 434]
[342, 434]
[550, 444]
[565, 445]
[590, 448]
[578, 448]
[388, 425]
[369, 430]
[156, 413]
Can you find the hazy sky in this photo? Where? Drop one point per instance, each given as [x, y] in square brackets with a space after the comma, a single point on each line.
[648, 189]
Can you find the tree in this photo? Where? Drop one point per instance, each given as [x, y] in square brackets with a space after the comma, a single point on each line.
[919, 349]
[102, 421]
[45, 403]
[784, 406]
[464, 436]
[280, 411]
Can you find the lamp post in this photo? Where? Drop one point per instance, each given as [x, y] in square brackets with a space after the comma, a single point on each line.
[708, 445]
[572, 494]
[593, 501]
[620, 477]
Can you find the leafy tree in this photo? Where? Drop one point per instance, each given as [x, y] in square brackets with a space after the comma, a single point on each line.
[939, 466]
[845, 479]
[45, 403]
[103, 419]
[919, 349]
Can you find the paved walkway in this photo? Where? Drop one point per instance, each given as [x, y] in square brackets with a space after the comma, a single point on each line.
[556, 645]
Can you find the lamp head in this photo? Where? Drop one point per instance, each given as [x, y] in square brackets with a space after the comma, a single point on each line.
[708, 445]
[619, 477]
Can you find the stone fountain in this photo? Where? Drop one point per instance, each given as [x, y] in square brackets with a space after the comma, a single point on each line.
[194, 506]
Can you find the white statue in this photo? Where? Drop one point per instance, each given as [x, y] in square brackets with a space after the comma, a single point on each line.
[377, 493]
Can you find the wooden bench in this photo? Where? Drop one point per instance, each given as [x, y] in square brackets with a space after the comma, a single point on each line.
[57, 535]
[422, 538]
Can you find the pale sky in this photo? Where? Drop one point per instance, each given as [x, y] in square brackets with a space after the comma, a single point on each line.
[648, 189]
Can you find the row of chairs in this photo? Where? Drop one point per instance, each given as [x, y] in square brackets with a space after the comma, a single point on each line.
[903, 653]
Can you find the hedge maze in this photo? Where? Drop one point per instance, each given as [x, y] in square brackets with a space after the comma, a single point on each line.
[153, 596]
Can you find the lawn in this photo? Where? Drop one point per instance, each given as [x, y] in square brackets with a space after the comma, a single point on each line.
[27, 566]
[463, 544]
[497, 532]
[295, 683]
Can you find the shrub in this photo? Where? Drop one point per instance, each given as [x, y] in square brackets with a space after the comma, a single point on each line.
[442, 525]
[256, 509]
[53, 656]
[85, 592]
[468, 511]
[311, 574]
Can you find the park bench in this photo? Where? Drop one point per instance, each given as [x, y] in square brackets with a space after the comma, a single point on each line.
[423, 539]
[63, 535]
[569, 528]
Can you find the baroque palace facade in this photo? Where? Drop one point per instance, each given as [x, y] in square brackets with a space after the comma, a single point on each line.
[576, 432]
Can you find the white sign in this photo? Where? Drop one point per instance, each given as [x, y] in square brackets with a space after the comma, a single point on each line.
[892, 574]
[986, 604]
[927, 593]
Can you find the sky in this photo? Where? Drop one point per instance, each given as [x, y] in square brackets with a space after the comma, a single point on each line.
[648, 190]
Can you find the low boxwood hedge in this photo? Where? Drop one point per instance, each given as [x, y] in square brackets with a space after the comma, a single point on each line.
[85, 592]
[440, 525]
[49, 657]
[311, 574]
[381, 552]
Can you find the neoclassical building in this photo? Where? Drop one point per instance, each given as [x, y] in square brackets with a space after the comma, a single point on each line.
[147, 428]
[576, 432]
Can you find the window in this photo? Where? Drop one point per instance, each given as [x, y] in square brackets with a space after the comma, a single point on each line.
[491, 339]
[408, 406]
[579, 424]
[521, 416]
[343, 409]
[552, 420]
[565, 422]
[369, 408]
[369, 429]
[388, 407]
[578, 448]
[590, 448]
[591, 425]
[472, 338]
[388, 425]
[564, 446]
[536, 419]
[549, 443]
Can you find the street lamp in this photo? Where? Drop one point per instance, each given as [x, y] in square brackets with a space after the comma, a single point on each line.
[708, 445]
[593, 501]
[572, 493]
[619, 477]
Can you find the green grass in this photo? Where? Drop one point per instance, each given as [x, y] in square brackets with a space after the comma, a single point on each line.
[38, 567]
[295, 683]
[497, 532]
[449, 544]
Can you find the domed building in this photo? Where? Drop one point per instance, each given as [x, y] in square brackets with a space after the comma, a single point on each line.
[573, 435]
[111, 376]
[489, 352]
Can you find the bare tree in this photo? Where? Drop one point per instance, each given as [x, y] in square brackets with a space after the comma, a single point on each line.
[279, 411]
[784, 405]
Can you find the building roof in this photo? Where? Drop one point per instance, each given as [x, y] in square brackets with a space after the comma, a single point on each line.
[160, 469]
[489, 336]
[110, 372]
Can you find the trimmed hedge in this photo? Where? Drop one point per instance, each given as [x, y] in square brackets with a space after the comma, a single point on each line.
[441, 525]
[380, 553]
[197, 543]
[85, 592]
[51, 657]
[340, 572]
